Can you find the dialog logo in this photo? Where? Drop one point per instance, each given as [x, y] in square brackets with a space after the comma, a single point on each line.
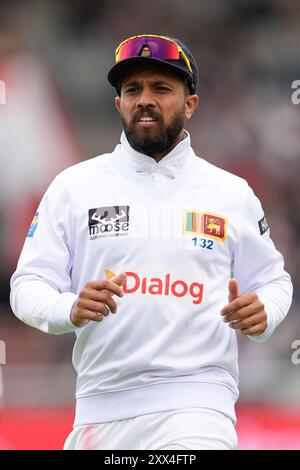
[163, 286]
[110, 221]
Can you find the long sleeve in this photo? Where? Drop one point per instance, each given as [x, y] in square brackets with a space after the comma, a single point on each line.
[41, 288]
[259, 267]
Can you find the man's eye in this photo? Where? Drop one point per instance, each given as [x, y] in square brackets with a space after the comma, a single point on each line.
[163, 88]
[131, 89]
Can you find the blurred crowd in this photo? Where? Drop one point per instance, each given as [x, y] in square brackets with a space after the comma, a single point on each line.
[54, 58]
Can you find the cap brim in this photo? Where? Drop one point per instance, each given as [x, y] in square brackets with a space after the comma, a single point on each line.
[118, 71]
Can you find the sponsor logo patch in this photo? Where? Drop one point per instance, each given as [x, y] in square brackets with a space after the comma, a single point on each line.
[33, 225]
[163, 286]
[211, 225]
[263, 225]
[110, 221]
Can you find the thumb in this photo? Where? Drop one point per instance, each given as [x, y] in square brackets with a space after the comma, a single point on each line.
[233, 289]
[119, 279]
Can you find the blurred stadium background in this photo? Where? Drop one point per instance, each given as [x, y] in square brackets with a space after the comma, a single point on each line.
[54, 57]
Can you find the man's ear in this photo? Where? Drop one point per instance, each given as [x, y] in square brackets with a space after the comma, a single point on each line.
[118, 103]
[191, 103]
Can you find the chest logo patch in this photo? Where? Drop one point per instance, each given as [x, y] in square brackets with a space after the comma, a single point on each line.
[110, 221]
[203, 223]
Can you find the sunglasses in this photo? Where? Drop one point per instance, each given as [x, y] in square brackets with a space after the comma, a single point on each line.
[151, 45]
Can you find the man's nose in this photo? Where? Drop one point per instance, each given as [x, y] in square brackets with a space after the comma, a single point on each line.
[146, 98]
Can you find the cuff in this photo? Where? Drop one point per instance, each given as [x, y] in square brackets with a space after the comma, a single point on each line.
[60, 318]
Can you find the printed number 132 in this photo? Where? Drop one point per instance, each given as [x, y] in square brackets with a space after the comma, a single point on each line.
[203, 243]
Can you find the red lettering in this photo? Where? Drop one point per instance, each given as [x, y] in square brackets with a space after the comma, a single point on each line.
[144, 280]
[136, 285]
[156, 289]
[179, 283]
[196, 295]
[167, 286]
[159, 286]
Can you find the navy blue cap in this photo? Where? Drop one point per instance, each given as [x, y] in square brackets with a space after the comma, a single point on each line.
[119, 70]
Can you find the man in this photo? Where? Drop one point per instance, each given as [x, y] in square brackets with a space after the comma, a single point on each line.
[178, 248]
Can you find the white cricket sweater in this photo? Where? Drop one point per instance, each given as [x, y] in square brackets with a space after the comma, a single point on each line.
[180, 228]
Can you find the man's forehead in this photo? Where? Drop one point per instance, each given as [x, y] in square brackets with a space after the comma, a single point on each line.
[151, 73]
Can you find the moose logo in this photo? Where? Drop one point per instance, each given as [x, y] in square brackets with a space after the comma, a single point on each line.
[109, 221]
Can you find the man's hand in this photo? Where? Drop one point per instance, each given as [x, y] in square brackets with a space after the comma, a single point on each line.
[95, 301]
[244, 312]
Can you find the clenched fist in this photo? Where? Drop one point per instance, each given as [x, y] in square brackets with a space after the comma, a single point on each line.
[95, 301]
[245, 312]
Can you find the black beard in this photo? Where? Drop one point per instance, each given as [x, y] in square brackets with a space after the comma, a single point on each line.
[150, 144]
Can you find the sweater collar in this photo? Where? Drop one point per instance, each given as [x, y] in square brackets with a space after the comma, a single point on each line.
[170, 165]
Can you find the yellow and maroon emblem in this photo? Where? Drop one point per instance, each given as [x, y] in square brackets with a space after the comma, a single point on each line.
[214, 226]
[202, 223]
